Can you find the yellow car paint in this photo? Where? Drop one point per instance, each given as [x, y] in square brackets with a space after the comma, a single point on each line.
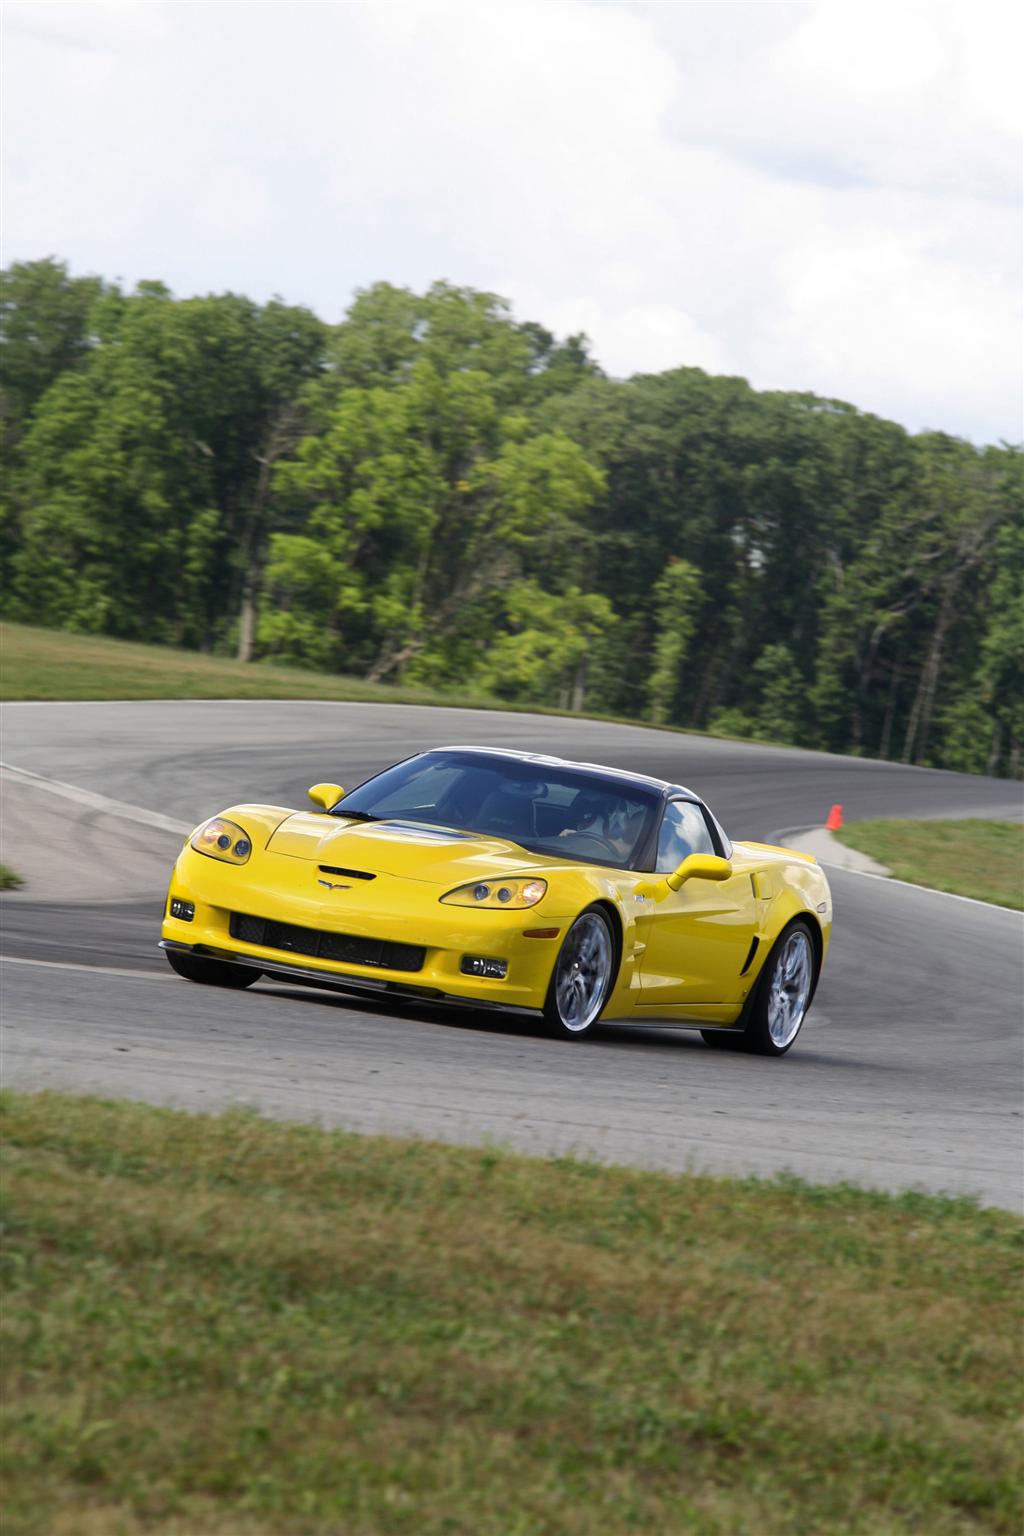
[686, 955]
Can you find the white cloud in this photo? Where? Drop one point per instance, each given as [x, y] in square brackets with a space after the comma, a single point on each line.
[818, 196]
[639, 338]
[882, 311]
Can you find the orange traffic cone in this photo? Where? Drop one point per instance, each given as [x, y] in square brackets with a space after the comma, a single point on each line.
[835, 819]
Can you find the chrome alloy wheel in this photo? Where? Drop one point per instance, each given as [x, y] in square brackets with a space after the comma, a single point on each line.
[790, 988]
[583, 973]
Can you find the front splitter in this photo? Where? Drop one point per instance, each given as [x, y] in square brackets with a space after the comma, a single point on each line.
[308, 977]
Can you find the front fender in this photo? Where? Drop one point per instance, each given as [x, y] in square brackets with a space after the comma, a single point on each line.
[259, 822]
[573, 888]
[788, 891]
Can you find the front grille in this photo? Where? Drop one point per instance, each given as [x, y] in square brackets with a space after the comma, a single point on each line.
[327, 946]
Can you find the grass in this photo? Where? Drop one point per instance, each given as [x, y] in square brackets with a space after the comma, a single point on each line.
[52, 664]
[39, 664]
[223, 1325]
[983, 859]
[9, 881]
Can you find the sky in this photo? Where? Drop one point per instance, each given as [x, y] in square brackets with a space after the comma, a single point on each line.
[821, 196]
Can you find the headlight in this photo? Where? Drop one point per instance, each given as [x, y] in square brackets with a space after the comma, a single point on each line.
[220, 839]
[498, 893]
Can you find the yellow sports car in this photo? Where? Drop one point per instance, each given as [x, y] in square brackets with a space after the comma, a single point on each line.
[504, 878]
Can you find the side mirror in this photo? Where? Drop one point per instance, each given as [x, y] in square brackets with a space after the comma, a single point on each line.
[326, 796]
[699, 866]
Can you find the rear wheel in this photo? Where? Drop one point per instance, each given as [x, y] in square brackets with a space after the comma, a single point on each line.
[212, 973]
[582, 978]
[780, 1003]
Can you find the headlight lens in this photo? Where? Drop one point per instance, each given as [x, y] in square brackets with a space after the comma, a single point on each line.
[498, 893]
[220, 839]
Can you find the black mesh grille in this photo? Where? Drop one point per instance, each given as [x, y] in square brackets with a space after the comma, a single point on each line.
[327, 946]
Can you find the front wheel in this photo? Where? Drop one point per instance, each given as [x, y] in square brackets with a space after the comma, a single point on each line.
[212, 973]
[582, 978]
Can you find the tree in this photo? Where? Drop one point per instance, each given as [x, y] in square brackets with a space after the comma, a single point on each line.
[439, 491]
[428, 500]
[388, 329]
[289, 345]
[141, 480]
[540, 652]
[676, 595]
[778, 690]
[961, 520]
[44, 332]
[1000, 674]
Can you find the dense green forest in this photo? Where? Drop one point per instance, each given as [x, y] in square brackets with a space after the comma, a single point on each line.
[437, 492]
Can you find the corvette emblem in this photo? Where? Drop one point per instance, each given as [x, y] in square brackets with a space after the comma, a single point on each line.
[332, 887]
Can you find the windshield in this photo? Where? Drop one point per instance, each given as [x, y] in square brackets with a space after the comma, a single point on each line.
[571, 813]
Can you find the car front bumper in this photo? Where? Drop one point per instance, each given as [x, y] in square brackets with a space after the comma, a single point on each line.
[284, 890]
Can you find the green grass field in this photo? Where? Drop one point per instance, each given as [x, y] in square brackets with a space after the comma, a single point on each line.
[52, 664]
[983, 859]
[37, 664]
[224, 1325]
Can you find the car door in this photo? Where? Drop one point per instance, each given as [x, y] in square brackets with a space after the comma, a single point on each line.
[696, 939]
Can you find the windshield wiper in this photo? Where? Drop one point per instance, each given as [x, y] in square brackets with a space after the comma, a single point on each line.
[355, 815]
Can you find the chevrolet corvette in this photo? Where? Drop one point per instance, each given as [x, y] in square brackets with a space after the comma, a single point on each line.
[473, 875]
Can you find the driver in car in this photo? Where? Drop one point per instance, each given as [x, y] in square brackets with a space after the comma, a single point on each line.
[609, 821]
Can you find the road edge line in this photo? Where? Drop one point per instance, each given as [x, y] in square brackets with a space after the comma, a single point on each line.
[779, 838]
[95, 801]
[93, 970]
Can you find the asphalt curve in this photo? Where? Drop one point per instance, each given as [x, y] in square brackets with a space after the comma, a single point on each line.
[907, 1074]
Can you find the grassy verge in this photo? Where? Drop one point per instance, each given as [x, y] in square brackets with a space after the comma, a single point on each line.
[223, 1325]
[983, 859]
[51, 664]
[9, 881]
[40, 664]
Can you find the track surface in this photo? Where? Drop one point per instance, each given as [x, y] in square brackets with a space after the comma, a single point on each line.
[907, 1074]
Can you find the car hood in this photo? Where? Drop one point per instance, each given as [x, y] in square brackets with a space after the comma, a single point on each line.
[411, 850]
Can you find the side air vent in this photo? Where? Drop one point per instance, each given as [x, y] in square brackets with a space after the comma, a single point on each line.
[751, 952]
[353, 874]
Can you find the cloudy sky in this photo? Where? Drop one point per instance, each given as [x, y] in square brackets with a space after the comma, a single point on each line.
[818, 196]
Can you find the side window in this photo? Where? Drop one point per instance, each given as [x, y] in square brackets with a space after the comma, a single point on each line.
[683, 831]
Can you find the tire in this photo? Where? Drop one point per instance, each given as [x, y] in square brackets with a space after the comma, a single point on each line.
[582, 978]
[779, 1005]
[211, 973]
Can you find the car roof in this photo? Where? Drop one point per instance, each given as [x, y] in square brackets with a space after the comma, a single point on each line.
[648, 781]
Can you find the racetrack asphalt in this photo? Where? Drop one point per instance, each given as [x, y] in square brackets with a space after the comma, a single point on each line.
[908, 1072]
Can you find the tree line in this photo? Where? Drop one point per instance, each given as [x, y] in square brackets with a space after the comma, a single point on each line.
[437, 492]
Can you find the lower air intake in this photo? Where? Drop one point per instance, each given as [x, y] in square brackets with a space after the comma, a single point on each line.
[320, 945]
